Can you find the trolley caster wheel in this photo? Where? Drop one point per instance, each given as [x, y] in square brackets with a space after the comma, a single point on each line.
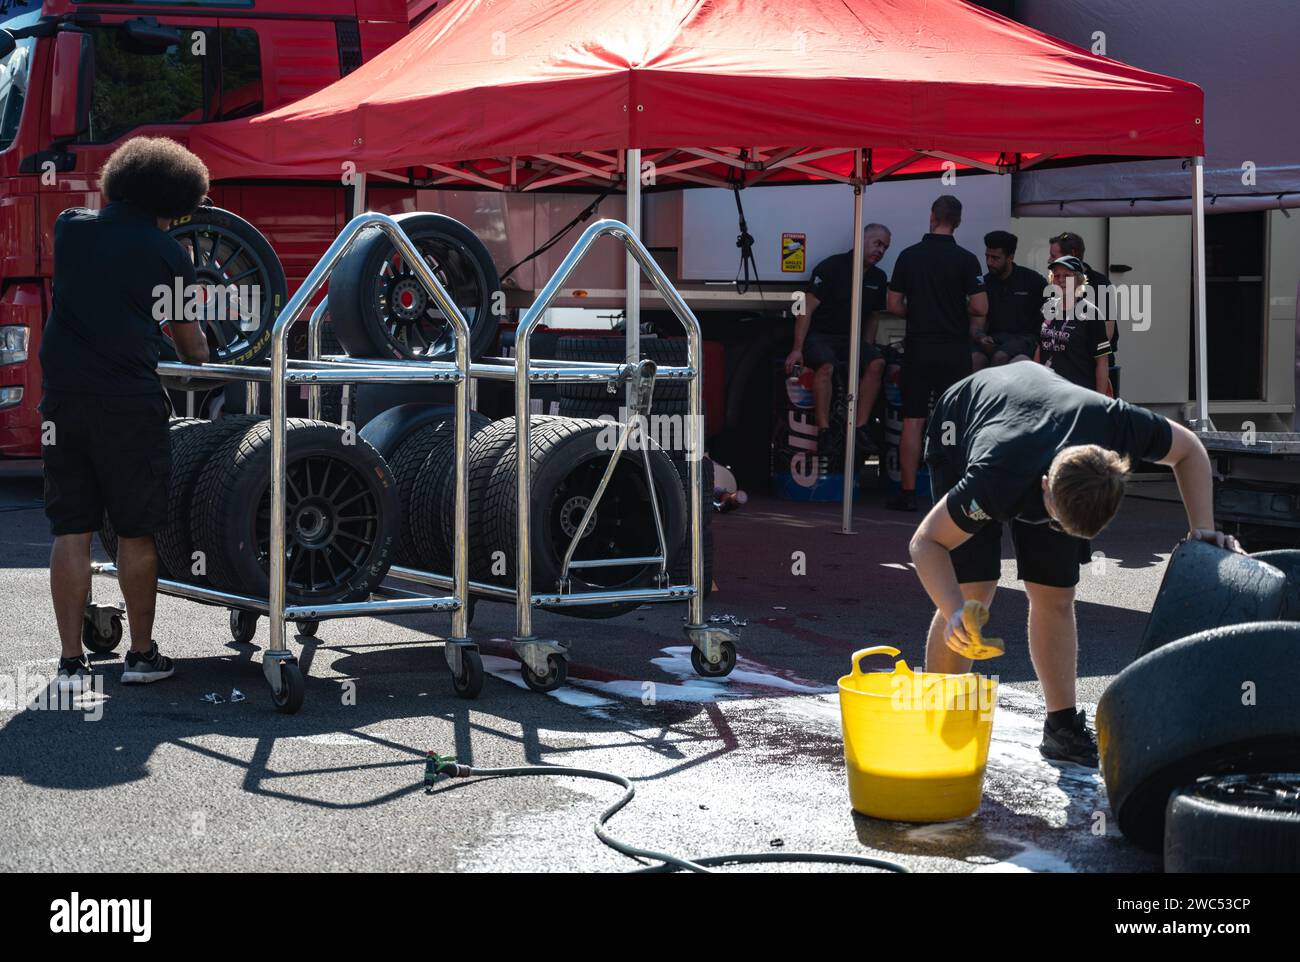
[101, 644]
[722, 668]
[243, 625]
[469, 682]
[292, 689]
[308, 628]
[557, 672]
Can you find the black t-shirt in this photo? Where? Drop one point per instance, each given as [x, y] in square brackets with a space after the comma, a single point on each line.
[936, 276]
[1099, 294]
[1016, 304]
[832, 284]
[102, 335]
[1070, 341]
[1005, 425]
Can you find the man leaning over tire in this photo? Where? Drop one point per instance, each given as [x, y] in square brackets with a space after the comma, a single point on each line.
[104, 434]
[1020, 445]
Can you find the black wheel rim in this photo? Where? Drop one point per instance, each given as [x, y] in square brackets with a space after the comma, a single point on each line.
[332, 522]
[221, 259]
[411, 320]
[623, 525]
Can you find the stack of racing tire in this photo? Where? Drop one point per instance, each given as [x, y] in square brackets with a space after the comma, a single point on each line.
[357, 503]
[1200, 736]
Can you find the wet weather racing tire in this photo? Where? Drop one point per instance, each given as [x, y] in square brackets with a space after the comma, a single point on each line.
[1217, 702]
[664, 351]
[1286, 561]
[341, 514]
[1206, 585]
[568, 458]
[379, 308]
[230, 257]
[331, 395]
[430, 514]
[1235, 823]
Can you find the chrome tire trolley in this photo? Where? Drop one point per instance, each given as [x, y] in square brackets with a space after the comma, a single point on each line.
[544, 660]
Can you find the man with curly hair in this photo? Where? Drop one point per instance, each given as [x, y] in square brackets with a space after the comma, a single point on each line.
[104, 438]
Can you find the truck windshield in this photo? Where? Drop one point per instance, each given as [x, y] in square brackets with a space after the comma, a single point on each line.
[14, 70]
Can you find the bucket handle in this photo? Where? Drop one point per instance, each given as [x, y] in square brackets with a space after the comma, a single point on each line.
[899, 666]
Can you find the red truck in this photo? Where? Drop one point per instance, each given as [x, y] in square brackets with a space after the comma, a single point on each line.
[81, 77]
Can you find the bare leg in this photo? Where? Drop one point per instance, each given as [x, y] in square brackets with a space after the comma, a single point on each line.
[909, 451]
[869, 390]
[1000, 358]
[1053, 643]
[69, 588]
[938, 656]
[1021, 357]
[137, 573]
[978, 361]
[822, 395]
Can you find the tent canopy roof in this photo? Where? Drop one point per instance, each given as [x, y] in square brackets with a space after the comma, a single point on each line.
[524, 95]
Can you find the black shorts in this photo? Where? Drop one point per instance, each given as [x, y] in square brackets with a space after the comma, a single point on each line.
[819, 349]
[1013, 345]
[106, 454]
[1044, 556]
[928, 371]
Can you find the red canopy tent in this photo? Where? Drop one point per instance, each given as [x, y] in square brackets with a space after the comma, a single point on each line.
[569, 94]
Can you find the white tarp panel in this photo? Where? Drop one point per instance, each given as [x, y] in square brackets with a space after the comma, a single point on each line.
[1246, 57]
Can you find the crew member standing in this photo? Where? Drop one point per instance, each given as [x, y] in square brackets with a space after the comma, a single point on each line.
[822, 331]
[1015, 304]
[1068, 244]
[1073, 341]
[105, 440]
[938, 288]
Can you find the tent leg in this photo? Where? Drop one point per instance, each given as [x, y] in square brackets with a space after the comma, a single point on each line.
[855, 349]
[359, 195]
[632, 307]
[1202, 421]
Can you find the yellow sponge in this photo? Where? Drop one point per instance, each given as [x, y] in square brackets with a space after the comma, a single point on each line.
[974, 617]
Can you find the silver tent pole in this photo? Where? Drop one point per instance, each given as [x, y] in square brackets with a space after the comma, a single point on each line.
[1202, 422]
[855, 349]
[632, 307]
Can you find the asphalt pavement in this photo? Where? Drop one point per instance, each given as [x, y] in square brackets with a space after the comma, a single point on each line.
[199, 773]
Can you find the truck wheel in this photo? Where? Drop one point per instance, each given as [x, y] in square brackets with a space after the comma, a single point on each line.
[227, 252]
[433, 498]
[380, 308]
[568, 459]
[1235, 823]
[341, 514]
[664, 351]
[193, 443]
[1206, 585]
[1215, 702]
[1286, 561]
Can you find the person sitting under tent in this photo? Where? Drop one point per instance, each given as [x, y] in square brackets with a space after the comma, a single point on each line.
[1016, 295]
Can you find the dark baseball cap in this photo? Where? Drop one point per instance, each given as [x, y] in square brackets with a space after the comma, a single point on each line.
[1069, 262]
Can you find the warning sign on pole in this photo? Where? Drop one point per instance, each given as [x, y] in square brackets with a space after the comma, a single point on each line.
[794, 247]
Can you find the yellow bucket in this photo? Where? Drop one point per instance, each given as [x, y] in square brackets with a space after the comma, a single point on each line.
[915, 743]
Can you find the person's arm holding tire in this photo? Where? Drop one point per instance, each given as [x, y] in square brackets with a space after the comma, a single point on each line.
[931, 548]
[1191, 466]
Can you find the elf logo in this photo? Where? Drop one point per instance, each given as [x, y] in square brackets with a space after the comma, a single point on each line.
[100, 916]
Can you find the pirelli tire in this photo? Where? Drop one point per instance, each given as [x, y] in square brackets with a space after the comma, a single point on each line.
[664, 351]
[1287, 561]
[176, 427]
[1207, 585]
[1235, 823]
[1217, 702]
[568, 457]
[193, 445]
[331, 395]
[341, 514]
[430, 516]
[379, 308]
[231, 255]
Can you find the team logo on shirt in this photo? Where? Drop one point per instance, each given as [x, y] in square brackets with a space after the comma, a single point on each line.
[974, 511]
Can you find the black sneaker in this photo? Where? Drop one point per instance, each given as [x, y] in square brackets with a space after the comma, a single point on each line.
[141, 669]
[824, 441]
[1071, 743]
[904, 501]
[866, 443]
[75, 674]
